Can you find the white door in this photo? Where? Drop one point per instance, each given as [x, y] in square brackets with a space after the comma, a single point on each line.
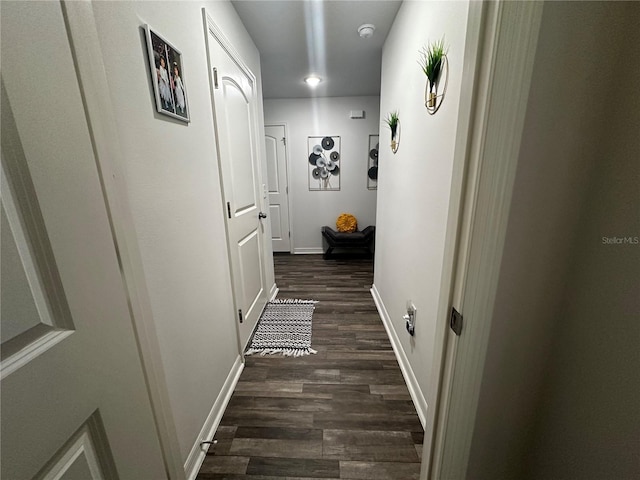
[234, 97]
[277, 175]
[74, 400]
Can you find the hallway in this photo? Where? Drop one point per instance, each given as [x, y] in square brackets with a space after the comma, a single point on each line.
[342, 413]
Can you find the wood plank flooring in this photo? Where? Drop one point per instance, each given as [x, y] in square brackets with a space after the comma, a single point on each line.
[344, 413]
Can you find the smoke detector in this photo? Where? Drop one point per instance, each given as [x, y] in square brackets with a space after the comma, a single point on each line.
[366, 30]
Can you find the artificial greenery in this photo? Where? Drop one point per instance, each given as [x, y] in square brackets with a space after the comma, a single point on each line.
[431, 58]
[392, 121]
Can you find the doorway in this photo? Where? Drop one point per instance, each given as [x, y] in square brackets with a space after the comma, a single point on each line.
[278, 187]
[234, 92]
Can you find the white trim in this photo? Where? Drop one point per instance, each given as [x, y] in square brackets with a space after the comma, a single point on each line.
[289, 189]
[508, 55]
[308, 251]
[197, 455]
[33, 350]
[32, 242]
[34, 251]
[81, 445]
[92, 79]
[419, 400]
[273, 293]
[456, 240]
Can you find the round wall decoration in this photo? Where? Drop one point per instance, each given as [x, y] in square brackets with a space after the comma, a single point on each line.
[324, 163]
[372, 162]
[327, 143]
[313, 159]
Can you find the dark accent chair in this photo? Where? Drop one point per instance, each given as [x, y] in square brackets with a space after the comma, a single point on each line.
[364, 240]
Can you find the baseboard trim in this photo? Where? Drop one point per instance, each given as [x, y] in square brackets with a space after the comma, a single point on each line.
[197, 455]
[273, 293]
[308, 251]
[418, 398]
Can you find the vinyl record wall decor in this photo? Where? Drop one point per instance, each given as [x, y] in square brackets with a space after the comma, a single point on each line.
[372, 162]
[324, 163]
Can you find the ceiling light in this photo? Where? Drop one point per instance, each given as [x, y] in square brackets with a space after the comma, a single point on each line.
[366, 30]
[312, 80]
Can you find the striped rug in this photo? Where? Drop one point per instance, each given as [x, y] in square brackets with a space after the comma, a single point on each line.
[284, 328]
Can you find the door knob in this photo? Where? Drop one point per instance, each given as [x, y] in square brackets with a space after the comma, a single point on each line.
[262, 215]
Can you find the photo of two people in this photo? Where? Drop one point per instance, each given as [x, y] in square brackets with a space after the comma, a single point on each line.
[167, 76]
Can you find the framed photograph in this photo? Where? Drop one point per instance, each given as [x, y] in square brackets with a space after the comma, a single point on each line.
[324, 163]
[167, 76]
[372, 162]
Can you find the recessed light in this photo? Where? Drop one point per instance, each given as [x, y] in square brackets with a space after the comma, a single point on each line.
[366, 30]
[312, 80]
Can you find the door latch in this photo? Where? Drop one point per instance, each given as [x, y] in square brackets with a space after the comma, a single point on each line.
[456, 321]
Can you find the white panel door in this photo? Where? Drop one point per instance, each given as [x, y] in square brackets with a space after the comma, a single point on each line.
[74, 400]
[234, 96]
[278, 187]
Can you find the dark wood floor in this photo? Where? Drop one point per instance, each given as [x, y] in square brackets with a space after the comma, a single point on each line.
[343, 413]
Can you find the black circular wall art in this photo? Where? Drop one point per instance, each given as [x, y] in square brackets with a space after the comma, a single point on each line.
[313, 159]
[324, 162]
[372, 162]
[327, 143]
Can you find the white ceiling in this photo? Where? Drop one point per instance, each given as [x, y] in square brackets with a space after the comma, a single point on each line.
[299, 37]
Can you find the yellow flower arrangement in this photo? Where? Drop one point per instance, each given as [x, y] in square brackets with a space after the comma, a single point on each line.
[347, 223]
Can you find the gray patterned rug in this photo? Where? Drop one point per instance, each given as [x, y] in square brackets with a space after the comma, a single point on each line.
[284, 327]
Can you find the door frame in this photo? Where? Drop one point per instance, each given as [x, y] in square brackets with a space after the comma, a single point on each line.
[289, 189]
[482, 187]
[91, 72]
[211, 28]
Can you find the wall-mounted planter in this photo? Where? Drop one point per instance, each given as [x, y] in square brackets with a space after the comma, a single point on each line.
[435, 65]
[393, 122]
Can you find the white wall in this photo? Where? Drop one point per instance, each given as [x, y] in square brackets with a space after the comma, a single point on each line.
[319, 117]
[173, 187]
[414, 185]
[560, 386]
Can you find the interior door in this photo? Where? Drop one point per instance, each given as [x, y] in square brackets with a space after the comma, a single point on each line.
[234, 97]
[74, 400]
[278, 189]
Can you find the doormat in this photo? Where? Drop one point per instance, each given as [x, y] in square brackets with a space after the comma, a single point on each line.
[284, 327]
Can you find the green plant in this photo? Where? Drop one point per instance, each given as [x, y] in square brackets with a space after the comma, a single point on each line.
[431, 58]
[392, 121]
